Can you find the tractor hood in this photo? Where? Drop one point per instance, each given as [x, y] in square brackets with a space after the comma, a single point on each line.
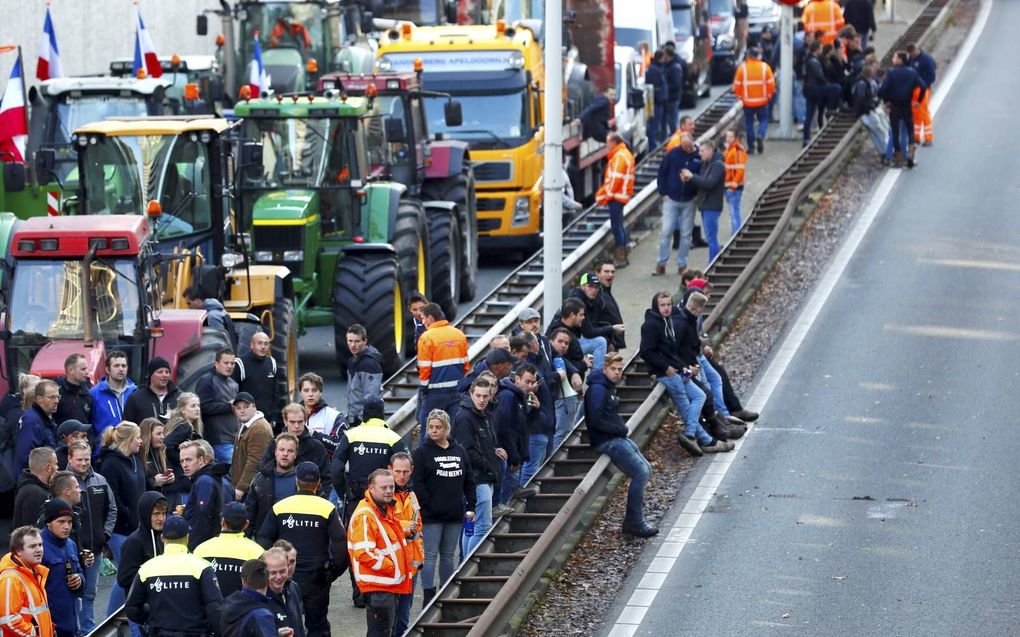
[291, 206]
[49, 362]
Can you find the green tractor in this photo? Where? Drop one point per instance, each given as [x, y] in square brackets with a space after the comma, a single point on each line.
[357, 246]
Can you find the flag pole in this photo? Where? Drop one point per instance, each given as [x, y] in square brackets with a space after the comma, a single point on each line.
[24, 98]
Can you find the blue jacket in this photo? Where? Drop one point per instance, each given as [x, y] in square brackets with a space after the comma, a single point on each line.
[899, 84]
[674, 73]
[602, 410]
[107, 407]
[924, 64]
[668, 180]
[205, 504]
[38, 429]
[247, 613]
[655, 77]
[63, 601]
[512, 422]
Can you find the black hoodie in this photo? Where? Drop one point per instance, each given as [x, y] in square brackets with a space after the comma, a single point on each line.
[443, 481]
[75, 402]
[205, 505]
[511, 422]
[659, 340]
[687, 335]
[602, 410]
[472, 431]
[593, 311]
[247, 613]
[142, 545]
[126, 475]
[29, 496]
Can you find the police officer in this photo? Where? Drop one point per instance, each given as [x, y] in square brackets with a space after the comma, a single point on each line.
[362, 450]
[175, 594]
[228, 551]
[312, 524]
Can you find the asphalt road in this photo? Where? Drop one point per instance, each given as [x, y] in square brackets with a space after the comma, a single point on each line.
[877, 497]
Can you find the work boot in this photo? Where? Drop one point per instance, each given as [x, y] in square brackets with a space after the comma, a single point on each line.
[927, 143]
[897, 159]
[717, 427]
[733, 431]
[745, 415]
[690, 445]
[911, 153]
[733, 420]
[660, 270]
[525, 492]
[427, 595]
[717, 446]
[761, 146]
[697, 241]
[640, 530]
[620, 257]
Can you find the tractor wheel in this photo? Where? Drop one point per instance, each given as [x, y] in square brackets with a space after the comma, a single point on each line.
[368, 290]
[411, 241]
[284, 346]
[445, 250]
[245, 330]
[196, 364]
[460, 190]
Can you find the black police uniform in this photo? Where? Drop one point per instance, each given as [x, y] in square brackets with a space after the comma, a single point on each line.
[227, 553]
[175, 595]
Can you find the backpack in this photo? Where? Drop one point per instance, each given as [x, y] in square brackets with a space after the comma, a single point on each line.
[8, 436]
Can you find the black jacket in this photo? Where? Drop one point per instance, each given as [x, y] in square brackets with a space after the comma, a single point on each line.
[143, 544]
[261, 496]
[602, 410]
[611, 314]
[362, 450]
[656, 78]
[175, 594]
[247, 613]
[814, 75]
[574, 355]
[593, 309]
[309, 450]
[899, 84]
[29, 496]
[861, 14]
[687, 335]
[288, 611]
[674, 72]
[258, 375]
[711, 182]
[126, 475]
[216, 393]
[595, 118]
[75, 402]
[443, 481]
[512, 427]
[173, 441]
[205, 504]
[97, 511]
[472, 431]
[659, 343]
[144, 403]
[313, 524]
[364, 381]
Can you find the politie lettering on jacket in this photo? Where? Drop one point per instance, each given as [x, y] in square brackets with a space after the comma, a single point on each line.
[291, 523]
[158, 585]
[361, 450]
[225, 567]
[449, 466]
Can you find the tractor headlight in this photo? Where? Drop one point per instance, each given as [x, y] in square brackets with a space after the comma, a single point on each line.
[293, 255]
[384, 64]
[231, 260]
[264, 256]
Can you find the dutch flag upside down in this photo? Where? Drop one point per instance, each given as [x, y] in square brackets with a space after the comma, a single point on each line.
[145, 52]
[49, 64]
[13, 125]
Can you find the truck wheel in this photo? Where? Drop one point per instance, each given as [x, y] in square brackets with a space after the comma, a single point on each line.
[285, 349]
[460, 190]
[411, 241]
[196, 364]
[445, 250]
[368, 290]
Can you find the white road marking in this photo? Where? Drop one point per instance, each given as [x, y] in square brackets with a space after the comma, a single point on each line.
[630, 617]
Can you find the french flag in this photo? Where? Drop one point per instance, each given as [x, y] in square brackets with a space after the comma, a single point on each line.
[49, 56]
[257, 77]
[13, 124]
[145, 53]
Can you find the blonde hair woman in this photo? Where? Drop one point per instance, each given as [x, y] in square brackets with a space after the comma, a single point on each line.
[153, 453]
[183, 424]
[119, 462]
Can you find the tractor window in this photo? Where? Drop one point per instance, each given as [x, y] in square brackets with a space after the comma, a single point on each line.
[294, 151]
[184, 191]
[75, 112]
[287, 25]
[391, 107]
[418, 121]
[111, 179]
[378, 150]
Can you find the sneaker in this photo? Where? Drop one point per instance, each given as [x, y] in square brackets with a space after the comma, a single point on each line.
[642, 530]
[761, 146]
[750, 150]
[717, 446]
[680, 269]
[525, 492]
[500, 510]
[745, 415]
[690, 445]
[884, 160]
[660, 270]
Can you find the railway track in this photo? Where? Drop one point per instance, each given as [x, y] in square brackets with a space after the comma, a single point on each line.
[491, 589]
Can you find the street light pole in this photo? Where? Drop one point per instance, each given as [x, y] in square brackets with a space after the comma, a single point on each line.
[552, 177]
[786, 130]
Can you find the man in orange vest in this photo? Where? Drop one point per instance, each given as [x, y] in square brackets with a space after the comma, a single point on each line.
[755, 85]
[380, 559]
[442, 363]
[617, 189]
[735, 159]
[825, 16]
[24, 609]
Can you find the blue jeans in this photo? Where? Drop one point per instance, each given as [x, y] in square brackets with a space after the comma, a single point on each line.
[403, 614]
[629, 459]
[117, 594]
[799, 105]
[441, 540]
[657, 126]
[904, 140]
[483, 518]
[511, 480]
[616, 223]
[446, 399]
[674, 212]
[878, 129]
[537, 444]
[87, 604]
[762, 113]
[733, 200]
[672, 117]
[676, 387]
[566, 409]
[596, 347]
[224, 452]
[712, 378]
[818, 99]
[710, 222]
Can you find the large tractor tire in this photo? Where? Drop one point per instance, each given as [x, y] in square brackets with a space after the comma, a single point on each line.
[368, 290]
[284, 345]
[446, 257]
[411, 241]
[196, 364]
[460, 189]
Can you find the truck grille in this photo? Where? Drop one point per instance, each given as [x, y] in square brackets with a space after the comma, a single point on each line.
[494, 171]
[489, 205]
[488, 225]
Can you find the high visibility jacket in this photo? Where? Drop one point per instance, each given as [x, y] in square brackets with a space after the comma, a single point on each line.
[754, 83]
[360, 451]
[735, 159]
[442, 356]
[407, 509]
[674, 140]
[175, 592]
[618, 184]
[823, 15]
[24, 610]
[379, 557]
[227, 553]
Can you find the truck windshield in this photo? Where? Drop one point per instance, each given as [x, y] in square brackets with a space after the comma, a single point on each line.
[420, 12]
[682, 22]
[494, 119]
[122, 174]
[301, 153]
[47, 300]
[631, 37]
[75, 112]
[286, 25]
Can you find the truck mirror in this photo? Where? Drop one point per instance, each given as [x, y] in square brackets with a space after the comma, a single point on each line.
[635, 99]
[5, 335]
[14, 176]
[45, 164]
[251, 159]
[450, 8]
[394, 129]
[202, 25]
[453, 113]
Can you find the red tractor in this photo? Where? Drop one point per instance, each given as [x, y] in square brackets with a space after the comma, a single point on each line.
[90, 285]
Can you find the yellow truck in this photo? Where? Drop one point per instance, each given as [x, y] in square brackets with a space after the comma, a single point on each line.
[496, 72]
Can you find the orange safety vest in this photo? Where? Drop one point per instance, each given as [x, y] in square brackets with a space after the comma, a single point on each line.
[24, 611]
[735, 159]
[618, 184]
[379, 557]
[823, 15]
[754, 83]
[406, 509]
[442, 356]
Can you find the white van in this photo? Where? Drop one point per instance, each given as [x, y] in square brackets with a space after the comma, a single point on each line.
[637, 21]
[633, 99]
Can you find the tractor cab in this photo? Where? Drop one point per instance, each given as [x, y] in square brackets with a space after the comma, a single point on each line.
[194, 83]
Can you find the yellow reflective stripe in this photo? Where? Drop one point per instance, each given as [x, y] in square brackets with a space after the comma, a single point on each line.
[304, 503]
[372, 433]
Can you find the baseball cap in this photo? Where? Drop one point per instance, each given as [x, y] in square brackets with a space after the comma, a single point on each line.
[69, 427]
[528, 314]
[175, 528]
[497, 356]
[234, 514]
[373, 408]
[589, 278]
[308, 472]
[243, 397]
[56, 508]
